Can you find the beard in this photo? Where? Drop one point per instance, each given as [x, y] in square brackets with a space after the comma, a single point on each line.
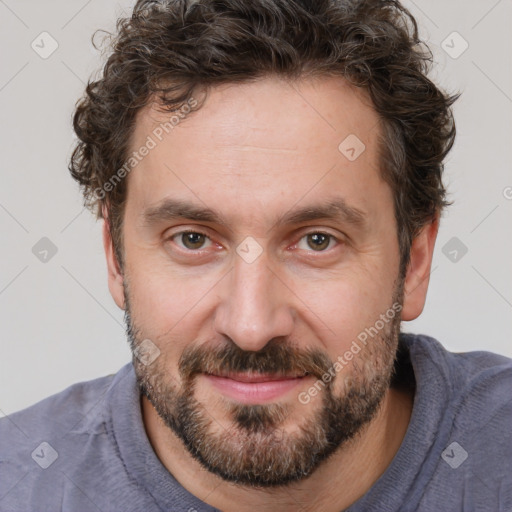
[256, 449]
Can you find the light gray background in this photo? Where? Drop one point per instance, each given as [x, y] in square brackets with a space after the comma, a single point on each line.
[59, 324]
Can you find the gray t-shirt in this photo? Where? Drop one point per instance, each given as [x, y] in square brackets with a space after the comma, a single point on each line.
[85, 449]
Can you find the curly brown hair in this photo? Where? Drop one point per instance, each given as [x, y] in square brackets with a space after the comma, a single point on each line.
[168, 49]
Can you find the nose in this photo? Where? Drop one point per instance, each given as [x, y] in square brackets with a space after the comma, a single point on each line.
[255, 305]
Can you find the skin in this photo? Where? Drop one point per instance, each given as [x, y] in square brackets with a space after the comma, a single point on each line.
[253, 152]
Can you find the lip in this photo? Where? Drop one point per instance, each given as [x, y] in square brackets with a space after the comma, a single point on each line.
[254, 388]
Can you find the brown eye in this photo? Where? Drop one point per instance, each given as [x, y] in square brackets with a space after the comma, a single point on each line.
[318, 242]
[191, 240]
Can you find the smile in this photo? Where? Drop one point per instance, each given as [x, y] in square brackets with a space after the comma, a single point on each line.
[254, 388]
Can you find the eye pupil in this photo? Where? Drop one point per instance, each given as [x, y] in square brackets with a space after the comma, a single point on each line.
[192, 240]
[320, 241]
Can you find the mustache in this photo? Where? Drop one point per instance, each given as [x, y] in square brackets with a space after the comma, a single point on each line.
[275, 358]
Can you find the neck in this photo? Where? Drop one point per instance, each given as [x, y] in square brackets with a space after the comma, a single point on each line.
[337, 483]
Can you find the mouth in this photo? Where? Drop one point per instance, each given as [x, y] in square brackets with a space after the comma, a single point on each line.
[254, 388]
[258, 377]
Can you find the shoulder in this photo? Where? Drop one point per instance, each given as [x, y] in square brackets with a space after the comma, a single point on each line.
[61, 452]
[477, 398]
[474, 388]
[58, 412]
[40, 444]
[463, 371]
[30, 435]
[470, 459]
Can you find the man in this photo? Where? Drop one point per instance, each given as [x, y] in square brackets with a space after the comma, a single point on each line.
[270, 175]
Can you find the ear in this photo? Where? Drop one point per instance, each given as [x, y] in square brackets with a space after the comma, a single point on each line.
[418, 271]
[115, 276]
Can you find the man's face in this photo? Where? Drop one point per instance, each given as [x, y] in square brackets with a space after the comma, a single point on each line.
[256, 303]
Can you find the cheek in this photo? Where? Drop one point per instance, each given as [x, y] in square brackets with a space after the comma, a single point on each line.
[343, 307]
[167, 305]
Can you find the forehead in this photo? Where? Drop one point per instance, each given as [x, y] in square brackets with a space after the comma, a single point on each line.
[269, 141]
[322, 108]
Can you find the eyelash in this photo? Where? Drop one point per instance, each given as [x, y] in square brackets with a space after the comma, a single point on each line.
[196, 232]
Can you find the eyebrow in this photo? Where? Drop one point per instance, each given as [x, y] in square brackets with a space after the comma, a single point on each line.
[336, 209]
